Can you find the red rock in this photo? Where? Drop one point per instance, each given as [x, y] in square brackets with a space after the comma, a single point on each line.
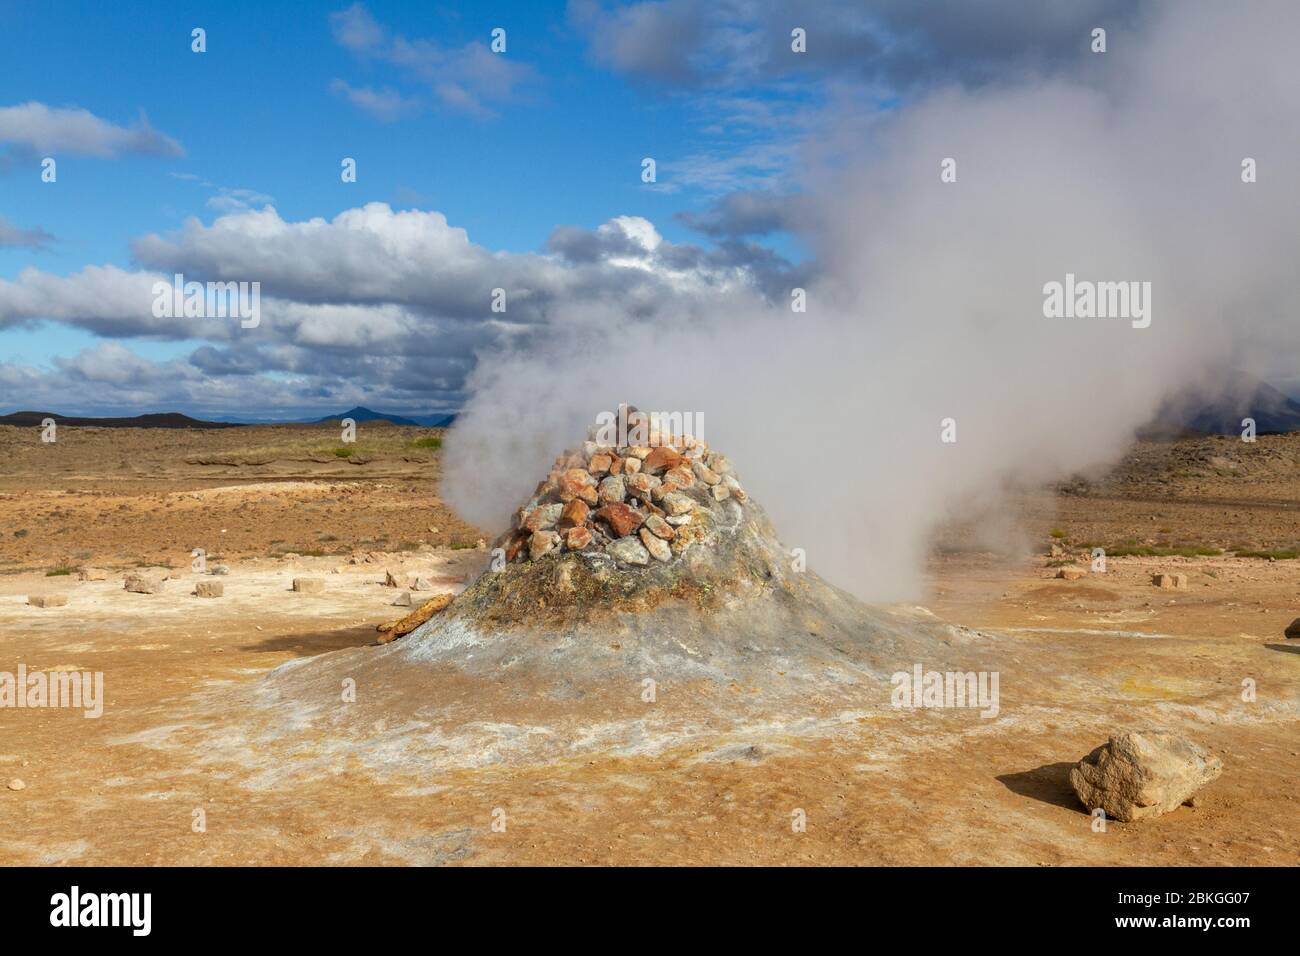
[616, 467]
[621, 518]
[575, 539]
[599, 464]
[574, 514]
[661, 458]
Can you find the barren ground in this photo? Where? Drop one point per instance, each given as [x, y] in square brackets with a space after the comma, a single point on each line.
[926, 787]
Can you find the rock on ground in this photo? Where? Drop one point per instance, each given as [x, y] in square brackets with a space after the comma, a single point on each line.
[309, 585]
[1175, 582]
[144, 582]
[1143, 774]
[47, 600]
[209, 589]
[1072, 574]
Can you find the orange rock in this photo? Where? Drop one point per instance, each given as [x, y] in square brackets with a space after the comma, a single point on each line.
[574, 514]
[599, 464]
[621, 518]
[575, 539]
[577, 483]
[616, 467]
[659, 459]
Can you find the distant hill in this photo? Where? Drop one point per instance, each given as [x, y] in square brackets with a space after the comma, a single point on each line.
[158, 420]
[360, 414]
[177, 420]
[1238, 396]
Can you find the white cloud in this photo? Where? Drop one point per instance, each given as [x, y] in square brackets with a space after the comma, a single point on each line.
[44, 129]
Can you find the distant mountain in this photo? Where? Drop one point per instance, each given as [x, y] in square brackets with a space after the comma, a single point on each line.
[158, 420]
[436, 421]
[360, 414]
[1238, 396]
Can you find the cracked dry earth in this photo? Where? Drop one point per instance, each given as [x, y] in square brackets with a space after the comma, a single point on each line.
[1078, 660]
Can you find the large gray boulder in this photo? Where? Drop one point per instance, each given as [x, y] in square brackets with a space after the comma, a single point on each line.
[1143, 774]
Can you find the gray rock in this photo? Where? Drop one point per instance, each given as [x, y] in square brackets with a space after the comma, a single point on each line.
[1143, 774]
[676, 503]
[705, 474]
[629, 550]
[657, 546]
[219, 569]
[612, 490]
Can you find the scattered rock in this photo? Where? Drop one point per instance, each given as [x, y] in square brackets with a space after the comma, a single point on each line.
[219, 569]
[629, 550]
[403, 600]
[47, 600]
[421, 583]
[16, 784]
[144, 582]
[309, 585]
[1174, 582]
[1143, 774]
[209, 589]
[599, 464]
[706, 474]
[92, 574]
[1071, 573]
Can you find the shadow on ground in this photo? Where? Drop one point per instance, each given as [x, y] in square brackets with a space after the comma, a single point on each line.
[1049, 783]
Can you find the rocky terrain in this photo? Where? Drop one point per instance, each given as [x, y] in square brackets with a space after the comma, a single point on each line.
[268, 724]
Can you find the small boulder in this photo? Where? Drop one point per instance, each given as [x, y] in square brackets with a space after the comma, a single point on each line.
[1293, 630]
[574, 514]
[209, 589]
[403, 600]
[92, 574]
[1170, 582]
[309, 585]
[47, 600]
[1071, 573]
[661, 458]
[660, 528]
[420, 583]
[1143, 774]
[16, 784]
[144, 582]
[219, 569]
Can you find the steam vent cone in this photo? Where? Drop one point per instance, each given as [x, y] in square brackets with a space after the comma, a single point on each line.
[639, 602]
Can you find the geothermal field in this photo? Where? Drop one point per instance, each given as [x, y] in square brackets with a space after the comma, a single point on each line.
[635, 667]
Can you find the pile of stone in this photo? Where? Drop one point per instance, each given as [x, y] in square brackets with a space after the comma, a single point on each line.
[632, 502]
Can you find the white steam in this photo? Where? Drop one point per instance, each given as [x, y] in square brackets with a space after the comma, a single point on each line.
[930, 301]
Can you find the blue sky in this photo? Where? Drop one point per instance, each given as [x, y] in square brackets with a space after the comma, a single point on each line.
[224, 165]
